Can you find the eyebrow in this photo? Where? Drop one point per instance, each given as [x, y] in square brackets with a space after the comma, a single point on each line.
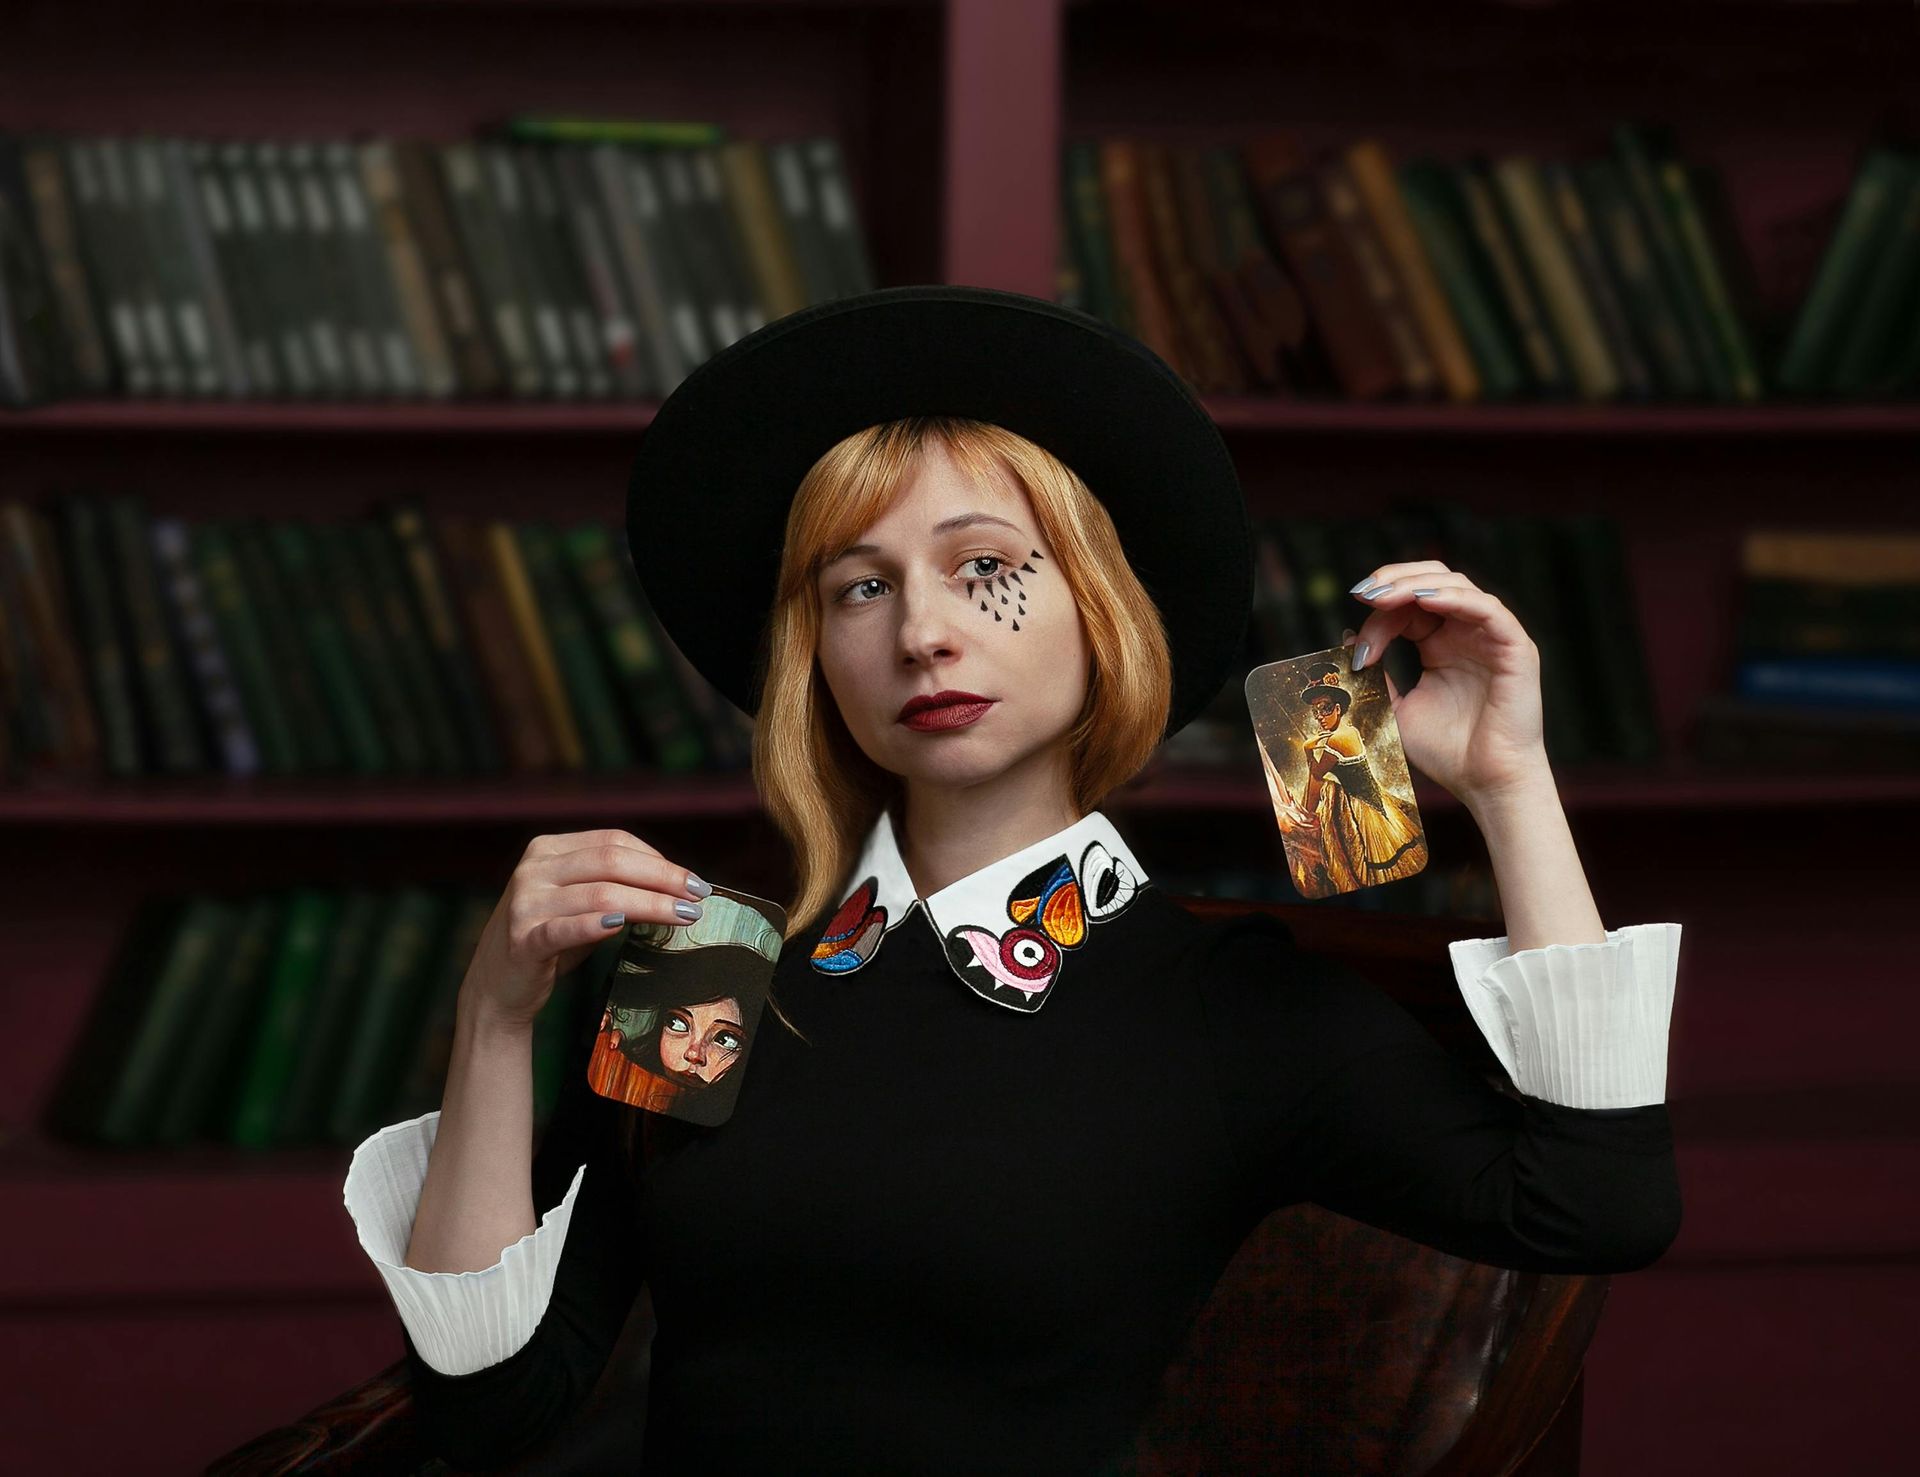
[945, 525]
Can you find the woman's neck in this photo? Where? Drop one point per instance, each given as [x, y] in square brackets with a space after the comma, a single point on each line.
[946, 834]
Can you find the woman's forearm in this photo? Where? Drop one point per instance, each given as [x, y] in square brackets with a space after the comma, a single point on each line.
[477, 1198]
[1543, 888]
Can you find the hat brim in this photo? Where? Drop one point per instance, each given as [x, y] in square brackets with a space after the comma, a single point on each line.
[718, 467]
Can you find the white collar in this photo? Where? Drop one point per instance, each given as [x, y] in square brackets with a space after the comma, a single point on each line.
[1006, 926]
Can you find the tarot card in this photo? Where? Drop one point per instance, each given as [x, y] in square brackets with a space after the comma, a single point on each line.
[684, 1006]
[1336, 772]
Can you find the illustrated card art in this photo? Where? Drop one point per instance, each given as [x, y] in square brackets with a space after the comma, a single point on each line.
[684, 1006]
[1336, 773]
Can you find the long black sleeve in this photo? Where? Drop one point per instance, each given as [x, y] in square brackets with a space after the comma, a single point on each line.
[1335, 1094]
[494, 1414]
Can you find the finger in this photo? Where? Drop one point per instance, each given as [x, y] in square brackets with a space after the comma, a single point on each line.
[593, 901]
[567, 841]
[1381, 574]
[618, 864]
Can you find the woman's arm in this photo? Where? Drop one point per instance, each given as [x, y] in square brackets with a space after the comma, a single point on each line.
[1543, 888]
[516, 1347]
[1334, 1093]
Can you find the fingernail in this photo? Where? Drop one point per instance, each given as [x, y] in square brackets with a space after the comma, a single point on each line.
[612, 920]
[1377, 591]
[1426, 592]
[1360, 654]
[1356, 589]
[696, 888]
[688, 911]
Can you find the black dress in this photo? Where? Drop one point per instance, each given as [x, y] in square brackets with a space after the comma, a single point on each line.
[941, 1237]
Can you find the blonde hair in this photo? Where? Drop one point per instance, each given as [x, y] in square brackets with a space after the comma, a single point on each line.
[817, 785]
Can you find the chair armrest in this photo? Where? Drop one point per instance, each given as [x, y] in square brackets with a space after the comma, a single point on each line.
[1524, 1395]
[367, 1431]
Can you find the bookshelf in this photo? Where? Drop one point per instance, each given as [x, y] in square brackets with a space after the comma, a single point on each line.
[952, 115]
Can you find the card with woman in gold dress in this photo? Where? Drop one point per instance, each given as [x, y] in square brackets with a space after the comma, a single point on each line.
[1336, 773]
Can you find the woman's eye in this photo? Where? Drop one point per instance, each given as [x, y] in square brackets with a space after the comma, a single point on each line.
[727, 1041]
[849, 594]
[677, 1023]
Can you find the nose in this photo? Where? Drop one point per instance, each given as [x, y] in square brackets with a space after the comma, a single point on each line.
[927, 612]
[697, 1052]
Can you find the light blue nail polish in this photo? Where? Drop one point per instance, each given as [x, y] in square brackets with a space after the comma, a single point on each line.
[1426, 592]
[1356, 589]
[688, 911]
[1360, 654]
[696, 887]
[612, 920]
[1378, 590]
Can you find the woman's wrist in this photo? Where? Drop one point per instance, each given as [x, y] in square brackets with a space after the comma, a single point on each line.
[1544, 896]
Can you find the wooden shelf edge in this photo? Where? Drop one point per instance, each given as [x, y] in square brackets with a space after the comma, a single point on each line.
[386, 803]
[1243, 415]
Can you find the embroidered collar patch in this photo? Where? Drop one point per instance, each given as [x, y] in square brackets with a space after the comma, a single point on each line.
[1006, 927]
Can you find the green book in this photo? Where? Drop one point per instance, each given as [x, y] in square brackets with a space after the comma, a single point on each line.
[345, 967]
[1730, 331]
[412, 658]
[296, 552]
[1644, 297]
[446, 635]
[1605, 633]
[321, 749]
[1889, 299]
[159, 1032]
[392, 995]
[242, 639]
[109, 658]
[288, 992]
[563, 128]
[350, 590]
[1638, 149]
[1439, 219]
[589, 690]
[1867, 223]
[645, 683]
[160, 669]
[424, 1084]
[203, 1079]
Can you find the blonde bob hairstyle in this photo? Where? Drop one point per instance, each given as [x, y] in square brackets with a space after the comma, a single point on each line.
[820, 789]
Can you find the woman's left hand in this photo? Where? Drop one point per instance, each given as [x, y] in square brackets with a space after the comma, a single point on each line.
[1472, 723]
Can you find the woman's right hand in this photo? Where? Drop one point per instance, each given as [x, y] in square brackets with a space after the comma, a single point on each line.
[549, 917]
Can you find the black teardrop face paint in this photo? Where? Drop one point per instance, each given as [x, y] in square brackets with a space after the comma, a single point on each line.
[1016, 595]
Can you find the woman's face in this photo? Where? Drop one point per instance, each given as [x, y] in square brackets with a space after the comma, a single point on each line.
[953, 588]
[1327, 712]
[700, 1043]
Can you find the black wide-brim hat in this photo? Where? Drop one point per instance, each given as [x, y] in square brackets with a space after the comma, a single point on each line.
[718, 467]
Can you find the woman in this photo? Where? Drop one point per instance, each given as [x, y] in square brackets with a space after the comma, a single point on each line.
[655, 1056]
[955, 1224]
[1367, 834]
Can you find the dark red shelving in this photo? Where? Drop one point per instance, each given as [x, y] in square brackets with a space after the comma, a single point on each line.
[1677, 785]
[1238, 415]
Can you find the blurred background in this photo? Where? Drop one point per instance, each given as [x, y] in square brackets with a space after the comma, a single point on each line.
[327, 329]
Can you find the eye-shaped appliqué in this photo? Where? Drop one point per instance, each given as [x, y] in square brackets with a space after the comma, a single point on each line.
[1107, 882]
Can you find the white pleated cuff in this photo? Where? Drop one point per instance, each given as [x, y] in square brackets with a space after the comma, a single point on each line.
[459, 1321]
[1582, 1025]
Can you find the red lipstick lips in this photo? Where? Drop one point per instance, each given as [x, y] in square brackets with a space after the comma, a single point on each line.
[949, 708]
